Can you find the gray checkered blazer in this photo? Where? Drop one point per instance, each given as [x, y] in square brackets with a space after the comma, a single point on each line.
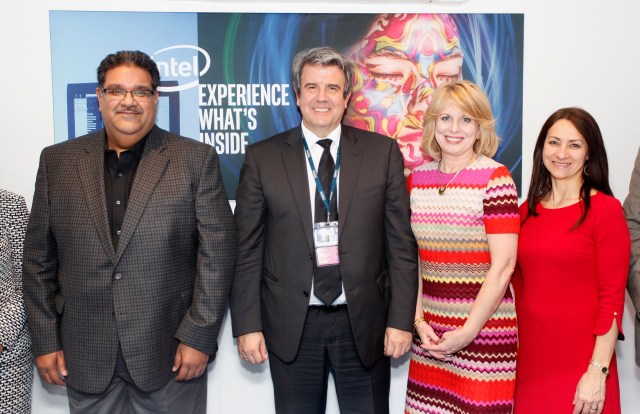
[632, 213]
[167, 282]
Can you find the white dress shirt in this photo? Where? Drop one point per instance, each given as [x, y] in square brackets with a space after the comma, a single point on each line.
[316, 152]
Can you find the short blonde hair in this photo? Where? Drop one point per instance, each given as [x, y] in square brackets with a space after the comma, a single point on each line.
[468, 97]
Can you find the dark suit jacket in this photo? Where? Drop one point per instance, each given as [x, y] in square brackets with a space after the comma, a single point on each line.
[378, 253]
[167, 282]
[632, 212]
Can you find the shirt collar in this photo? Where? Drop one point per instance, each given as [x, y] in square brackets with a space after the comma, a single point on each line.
[313, 138]
[136, 150]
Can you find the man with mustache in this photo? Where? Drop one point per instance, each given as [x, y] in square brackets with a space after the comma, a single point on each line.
[129, 256]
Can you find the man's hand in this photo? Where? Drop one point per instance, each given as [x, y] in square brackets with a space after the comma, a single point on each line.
[191, 363]
[396, 342]
[253, 348]
[52, 368]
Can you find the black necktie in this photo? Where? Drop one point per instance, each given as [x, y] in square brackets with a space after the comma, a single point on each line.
[327, 284]
[325, 175]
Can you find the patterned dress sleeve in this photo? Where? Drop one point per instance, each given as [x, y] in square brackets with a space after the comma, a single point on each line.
[613, 248]
[13, 223]
[501, 203]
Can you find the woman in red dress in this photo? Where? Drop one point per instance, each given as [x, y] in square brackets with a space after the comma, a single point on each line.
[573, 258]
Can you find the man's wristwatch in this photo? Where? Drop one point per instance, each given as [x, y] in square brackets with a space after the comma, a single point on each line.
[601, 368]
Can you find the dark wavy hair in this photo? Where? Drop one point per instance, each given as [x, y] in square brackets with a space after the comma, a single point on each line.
[133, 58]
[595, 174]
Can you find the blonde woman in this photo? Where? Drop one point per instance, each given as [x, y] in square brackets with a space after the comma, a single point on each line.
[464, 214]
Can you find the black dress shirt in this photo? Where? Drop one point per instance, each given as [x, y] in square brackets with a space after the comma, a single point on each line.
[119, 173]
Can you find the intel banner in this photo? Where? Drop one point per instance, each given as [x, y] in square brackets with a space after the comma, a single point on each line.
[226, 77]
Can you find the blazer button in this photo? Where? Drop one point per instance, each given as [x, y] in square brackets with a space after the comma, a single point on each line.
[118, 276]
[306, 293]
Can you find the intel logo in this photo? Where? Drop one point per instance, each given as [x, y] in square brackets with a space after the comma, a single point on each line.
[180, 62]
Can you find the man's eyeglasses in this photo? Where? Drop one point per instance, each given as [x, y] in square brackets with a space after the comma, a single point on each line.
[137, 94]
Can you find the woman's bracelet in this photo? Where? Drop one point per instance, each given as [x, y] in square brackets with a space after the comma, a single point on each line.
[417, 322]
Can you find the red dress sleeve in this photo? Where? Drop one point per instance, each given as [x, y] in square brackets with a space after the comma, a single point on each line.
[613, 249]
[516, 278]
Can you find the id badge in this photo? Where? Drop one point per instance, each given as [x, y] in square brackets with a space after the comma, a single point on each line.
[325, 237]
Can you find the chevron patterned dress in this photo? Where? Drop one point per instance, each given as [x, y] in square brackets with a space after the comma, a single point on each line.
[451, 230]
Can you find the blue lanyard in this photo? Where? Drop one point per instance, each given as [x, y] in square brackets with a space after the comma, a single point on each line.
[318, 183]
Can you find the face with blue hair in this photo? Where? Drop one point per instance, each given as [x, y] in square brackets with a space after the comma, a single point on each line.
[398, 66]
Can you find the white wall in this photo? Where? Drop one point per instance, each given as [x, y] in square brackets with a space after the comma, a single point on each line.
[577, 52]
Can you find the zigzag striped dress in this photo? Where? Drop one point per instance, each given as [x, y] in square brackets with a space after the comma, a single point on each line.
[451, 231]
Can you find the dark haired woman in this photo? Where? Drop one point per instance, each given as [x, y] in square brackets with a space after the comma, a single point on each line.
[573, 258]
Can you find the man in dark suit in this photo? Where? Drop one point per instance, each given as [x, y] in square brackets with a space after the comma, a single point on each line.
[324, 288]
[632, 212]
[129, 256]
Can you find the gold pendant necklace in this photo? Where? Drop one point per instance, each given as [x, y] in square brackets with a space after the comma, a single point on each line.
[443, 188]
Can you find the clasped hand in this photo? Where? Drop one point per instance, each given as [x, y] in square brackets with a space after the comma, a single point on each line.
[443, 347]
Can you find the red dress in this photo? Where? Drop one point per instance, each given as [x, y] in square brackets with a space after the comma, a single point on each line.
[569, 287]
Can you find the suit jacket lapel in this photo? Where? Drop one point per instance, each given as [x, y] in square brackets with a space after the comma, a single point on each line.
[294, 163]
[350, 162]
[91, 173]
[151, 168]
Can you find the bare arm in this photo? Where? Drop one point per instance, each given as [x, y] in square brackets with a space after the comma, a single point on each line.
[503, 249]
